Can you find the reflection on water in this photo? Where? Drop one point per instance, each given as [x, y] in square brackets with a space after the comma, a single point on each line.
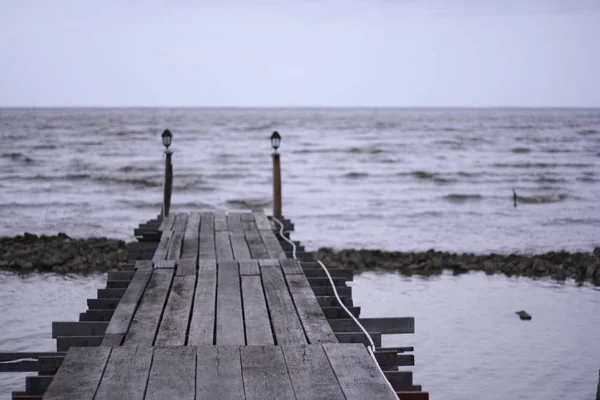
[29, 305]
[470, 344]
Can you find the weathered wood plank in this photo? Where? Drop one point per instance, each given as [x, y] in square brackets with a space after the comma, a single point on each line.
[256, 317]
[163, 246]
[207, 237]
[343, 291]
[173, 374]
[332, 301]
[102, 304]
[143, 264]
[164, 264]
[117, 284]
[291, 267]
[202, 322]
[223, 246]
[147, 316]
[175, 246]
[180, 223]
[126, 373]
[265, 373]
[262, 222]
[64, 343]
[248, 224]
[385, 326]
[357, 373]
[241, 251]
[37, 385]
[190, 249]
[220, 220]
[311, 373]
[338, 312]
[400, 380]
[219, 373]
[234, 222]
[230, 321]
[79, 374]
[173, 327]
[284, 318]
[96, 315]
[247, 217]
[272, 245]
[358, 336]
[110, 293]
[119, 275]
[256, 245]
[186, 268]
[167, 223]
[313, 320]
[249, 268]
[123, 315]
[78, 328]
[192, 228]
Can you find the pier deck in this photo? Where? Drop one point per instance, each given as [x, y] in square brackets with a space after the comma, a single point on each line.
[219, 312]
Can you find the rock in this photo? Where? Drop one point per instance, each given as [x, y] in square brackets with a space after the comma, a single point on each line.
[523, 315]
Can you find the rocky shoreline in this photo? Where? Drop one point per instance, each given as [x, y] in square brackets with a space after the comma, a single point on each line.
[557, 265]
[60, 253]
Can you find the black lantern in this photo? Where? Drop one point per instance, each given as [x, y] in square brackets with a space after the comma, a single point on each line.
[167, 136]
[275, 140]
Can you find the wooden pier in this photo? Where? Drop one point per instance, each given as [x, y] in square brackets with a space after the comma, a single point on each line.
[212, 306]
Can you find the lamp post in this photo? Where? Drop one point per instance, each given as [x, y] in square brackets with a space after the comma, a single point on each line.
[167, 137]
[275, 142]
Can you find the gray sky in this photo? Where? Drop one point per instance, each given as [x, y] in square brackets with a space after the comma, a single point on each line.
[310, 53]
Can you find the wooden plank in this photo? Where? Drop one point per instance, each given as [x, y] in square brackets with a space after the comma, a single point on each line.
[202, 322]
[78, 328]
[192, 228]
[241, 251]
[357, 373]
[400, 380]
[79, 375]
[313, 320]
[37, 385]
[220, 220]
[249, 268]
[207, 237]
[256, 245]
[147, 316]
[20, 366]
[234, 222]
[164, 264]
[173, 374]
[272, 245]
[311, 374]
[117, 284]
[386, 326]
[284, 318]
[123, 315]
[64, 343]
[119, 275]
[291, 267]
[180, 223]
[332, 301]
[256, 316]
[96, 315]
[126, 373]
[113, 339]
[173, 328]
[338, 281]
[358, 336]
[265, 373]
[343, 291]
[339, 312]
[48, 365]
[175, 246]
[247, 217]
[167, 222]
[230, 320]
[186, 268]
[190, 249]
[219, 373]
[163, 246]
[111, 293]
[223, 246]
[143, 264]
[103, 304]
[262, 222]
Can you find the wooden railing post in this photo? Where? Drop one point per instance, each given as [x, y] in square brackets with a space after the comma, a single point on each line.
[276, 186]
[168, 183]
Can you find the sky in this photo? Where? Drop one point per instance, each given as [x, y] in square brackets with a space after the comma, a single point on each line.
[330, 53]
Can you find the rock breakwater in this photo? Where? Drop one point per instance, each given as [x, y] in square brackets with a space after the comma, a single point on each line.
[60, 253]
[558, 265]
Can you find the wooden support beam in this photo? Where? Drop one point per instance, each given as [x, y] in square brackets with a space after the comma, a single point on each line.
[339, 312]
[343, 291]
[110, 293]
[96, 315]
[78, 328]
[317, 272]
[386, 326]
[117, 284]
[338, 281]
[359, 337]
[412, 395]
[400, 380]
[332, 301]
[120, 275]
[102, 304]
[37, 385]
[64, 343]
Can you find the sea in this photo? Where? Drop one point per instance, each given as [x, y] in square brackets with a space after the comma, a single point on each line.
[405, 179]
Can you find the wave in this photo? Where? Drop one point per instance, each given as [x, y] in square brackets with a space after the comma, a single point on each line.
[365, 150]
[45, 147]
[542, 165]
[521, 150]
[460, 197]
[356, 175]
[585, 132]
[545, 179]
[542, 198]
[18, 157]
[249, 203]
[432, 176]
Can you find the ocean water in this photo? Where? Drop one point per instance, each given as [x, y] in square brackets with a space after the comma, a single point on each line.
[396, 179]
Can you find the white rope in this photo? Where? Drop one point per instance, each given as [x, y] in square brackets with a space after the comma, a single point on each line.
[371, 347]
[18, 360]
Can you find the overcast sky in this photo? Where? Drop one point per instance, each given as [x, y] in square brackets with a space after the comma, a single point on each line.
[300, 53]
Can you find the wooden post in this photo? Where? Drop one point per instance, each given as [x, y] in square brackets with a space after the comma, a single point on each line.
[598, 389]
[276, 186]
[168, 184]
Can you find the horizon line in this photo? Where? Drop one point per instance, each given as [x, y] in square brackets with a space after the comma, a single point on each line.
[293, 107]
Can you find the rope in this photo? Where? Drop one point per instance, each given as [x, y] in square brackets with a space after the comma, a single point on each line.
[371, 346]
